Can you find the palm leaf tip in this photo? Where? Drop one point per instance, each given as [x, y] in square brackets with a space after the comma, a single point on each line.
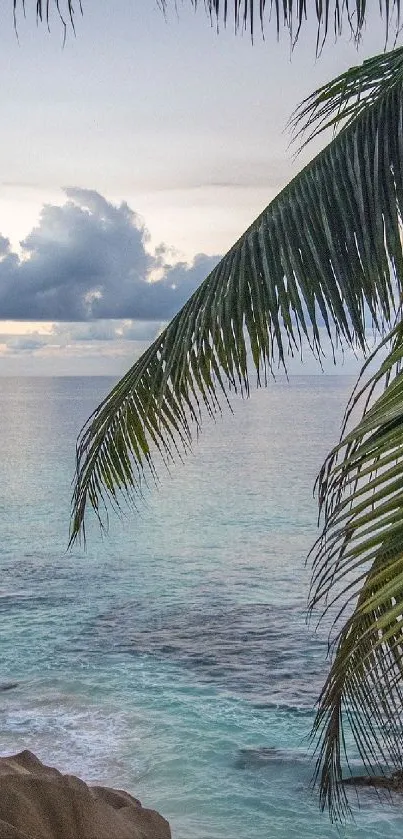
[330, 15]
[340, 101]
[292, 16]
[65, 11]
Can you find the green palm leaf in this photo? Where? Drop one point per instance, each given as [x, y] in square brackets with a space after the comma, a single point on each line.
[344, 98]
[289, 15]
[322, 254]
[359, 566]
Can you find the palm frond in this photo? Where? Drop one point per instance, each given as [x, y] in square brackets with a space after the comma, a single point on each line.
[293, 15]
[359, 565]
[344, 98]
[65, 10]
[320, 257]
[329, 15]
[43, 8]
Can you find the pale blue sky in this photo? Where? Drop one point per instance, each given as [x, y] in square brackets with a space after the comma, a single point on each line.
[184, 125]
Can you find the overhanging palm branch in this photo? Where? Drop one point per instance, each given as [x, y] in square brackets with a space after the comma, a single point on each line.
[358, 567]
[290, 15]
[322, 257]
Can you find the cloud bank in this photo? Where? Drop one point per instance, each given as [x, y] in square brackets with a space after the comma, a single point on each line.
[88, 260]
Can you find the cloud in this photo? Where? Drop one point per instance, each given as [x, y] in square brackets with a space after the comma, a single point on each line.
[88, 260]
[27, 343]
[62, 335]
[4, 247]
[104, 330]
[105, 347]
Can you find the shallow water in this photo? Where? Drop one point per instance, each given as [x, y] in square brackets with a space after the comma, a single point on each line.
[172, 658]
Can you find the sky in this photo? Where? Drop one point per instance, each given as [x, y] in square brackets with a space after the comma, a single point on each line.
[133, 156]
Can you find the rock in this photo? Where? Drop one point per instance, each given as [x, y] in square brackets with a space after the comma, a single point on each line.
[392, 782]
[264, 756]
[38, 802]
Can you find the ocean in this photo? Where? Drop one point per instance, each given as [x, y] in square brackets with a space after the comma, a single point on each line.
[172, 657]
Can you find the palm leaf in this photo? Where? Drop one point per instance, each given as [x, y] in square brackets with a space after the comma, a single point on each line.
[289, 15]
[319, 258]
[341, 100]
[292, 15]
[65, 10]
[359, 564]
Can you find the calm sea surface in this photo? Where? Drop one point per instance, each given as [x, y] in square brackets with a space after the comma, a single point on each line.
[172, 658]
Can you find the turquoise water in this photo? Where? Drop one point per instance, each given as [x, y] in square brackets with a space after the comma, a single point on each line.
[172, 658]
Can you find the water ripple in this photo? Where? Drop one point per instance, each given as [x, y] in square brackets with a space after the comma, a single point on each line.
[260, 652]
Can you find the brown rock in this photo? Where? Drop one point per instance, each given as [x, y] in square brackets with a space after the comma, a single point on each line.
[38, 802]
[391, 782]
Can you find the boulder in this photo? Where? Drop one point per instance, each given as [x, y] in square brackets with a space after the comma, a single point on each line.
[38, 802]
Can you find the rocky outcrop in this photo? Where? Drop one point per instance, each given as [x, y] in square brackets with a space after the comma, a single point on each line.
[38, 802]
[263, 756]
[392, 782]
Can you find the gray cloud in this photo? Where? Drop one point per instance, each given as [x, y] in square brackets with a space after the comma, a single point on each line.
[102, 330]
[92, 332]
[25, 343]
[4, 247]
[87, 260]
